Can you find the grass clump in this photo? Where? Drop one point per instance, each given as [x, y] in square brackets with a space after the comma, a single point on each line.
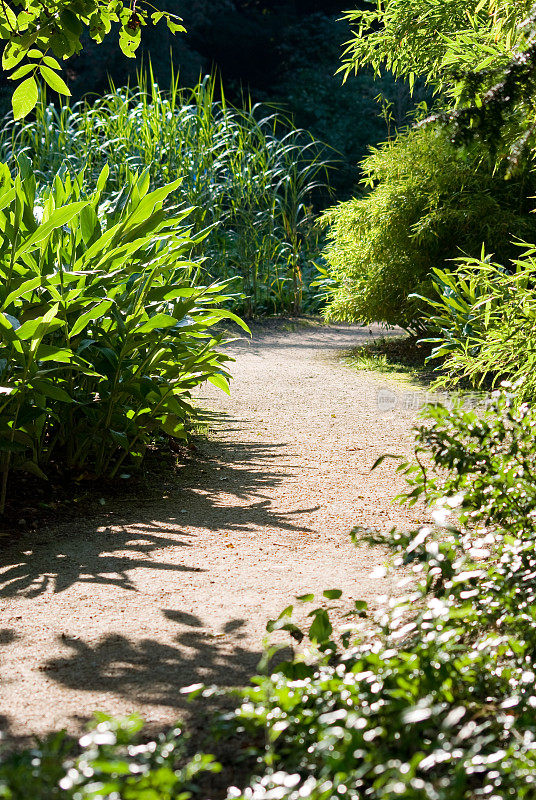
[404, 355]
[248, 175]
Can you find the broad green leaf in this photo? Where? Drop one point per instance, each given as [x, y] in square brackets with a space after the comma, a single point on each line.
[89, 223]
[158, 321]
[94, 313]
[321, 628]
[29, 328]
[221, 382]
[103, 177]
[61, 216]
[173, 426]
[12, 55]
[21, 72]
[62, 355]
[24, 98]
[54, 80]
[52, 390]
[7, 331]
[24, 288]
[217, 314]
[174, 27]
[51, 62]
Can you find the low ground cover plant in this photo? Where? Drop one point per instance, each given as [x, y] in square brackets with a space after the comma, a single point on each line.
[113, 760]
[248, 175]
[106, 326]
[435, 698]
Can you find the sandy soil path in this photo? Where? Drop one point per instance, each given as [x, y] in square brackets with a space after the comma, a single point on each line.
[116, 613]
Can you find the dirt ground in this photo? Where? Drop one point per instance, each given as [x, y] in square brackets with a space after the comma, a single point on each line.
[117, 612]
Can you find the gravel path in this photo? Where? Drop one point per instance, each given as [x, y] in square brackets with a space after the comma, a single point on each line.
[116, 613]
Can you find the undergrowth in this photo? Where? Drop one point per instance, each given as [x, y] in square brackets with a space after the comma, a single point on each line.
[398, 355]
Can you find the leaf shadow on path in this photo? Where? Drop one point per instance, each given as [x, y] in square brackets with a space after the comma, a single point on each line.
[7, 637]
[228, 490]
[151, 672]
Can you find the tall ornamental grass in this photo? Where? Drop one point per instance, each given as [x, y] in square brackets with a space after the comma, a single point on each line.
[249, 176]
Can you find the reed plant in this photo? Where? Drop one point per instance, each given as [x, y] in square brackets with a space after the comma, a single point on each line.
[248, 174]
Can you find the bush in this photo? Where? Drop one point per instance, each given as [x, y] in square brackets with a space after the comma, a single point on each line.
[104, 330]
[110, 761]
[249, 177]
[428, 201]
[485, 324]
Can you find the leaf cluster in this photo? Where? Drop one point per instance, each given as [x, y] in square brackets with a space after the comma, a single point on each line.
[105, 326]
[479, 58]
[483, 323]
[37, 34]
[111, 760]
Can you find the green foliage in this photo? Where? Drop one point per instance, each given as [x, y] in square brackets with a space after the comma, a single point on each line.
[479, 58]
[434, 699]
[109, 761]
[33, 31]
[105, 331]
[250, 177]
[438, 40]
[427, 202]
[485, 323]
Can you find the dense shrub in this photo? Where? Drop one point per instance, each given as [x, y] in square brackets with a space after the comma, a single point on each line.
[248, 176]
[484, 319]
[427, 202]
[105, 330]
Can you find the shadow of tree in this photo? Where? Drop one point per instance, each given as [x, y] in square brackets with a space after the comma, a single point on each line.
[227, 492]
[57, 565]
[7, 636]
[147, 671]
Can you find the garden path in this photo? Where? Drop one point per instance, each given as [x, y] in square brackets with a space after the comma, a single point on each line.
[117, 612]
